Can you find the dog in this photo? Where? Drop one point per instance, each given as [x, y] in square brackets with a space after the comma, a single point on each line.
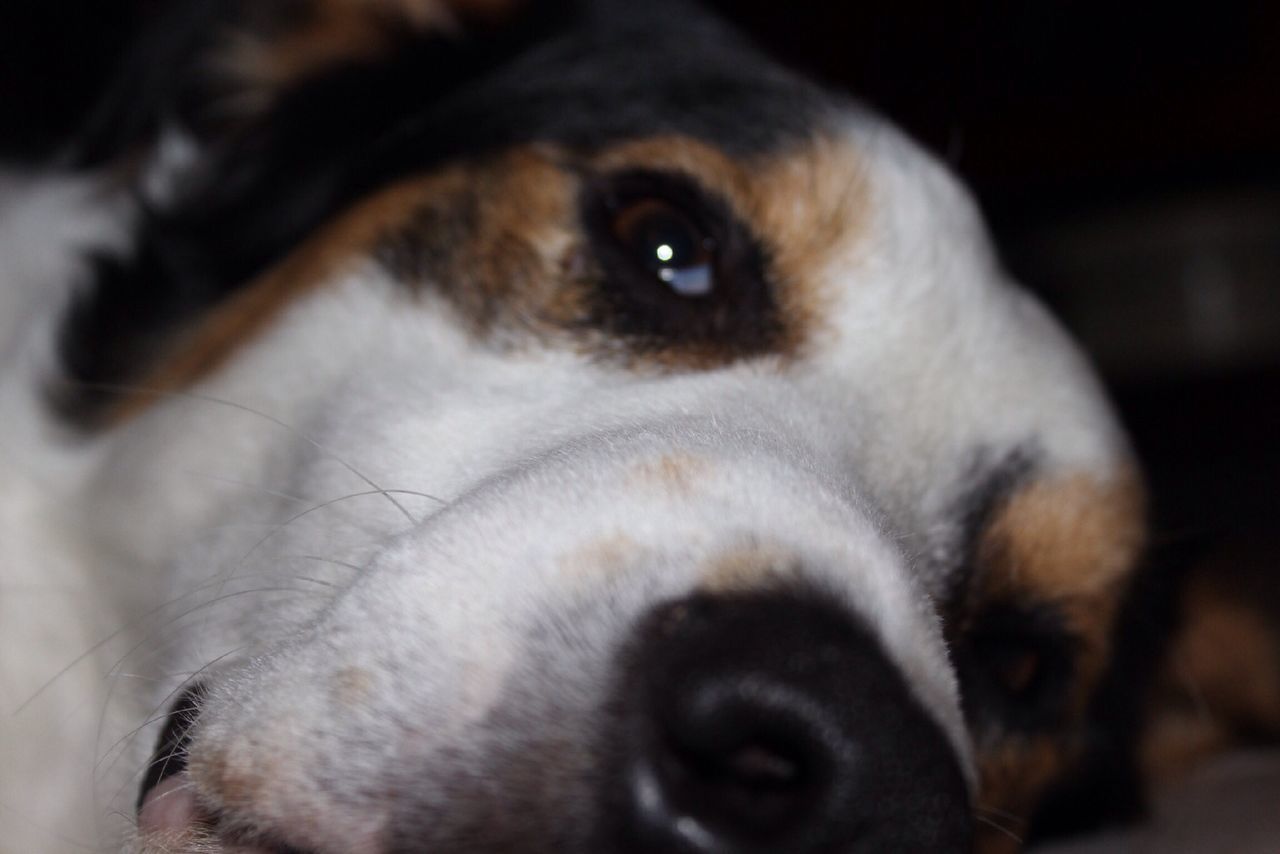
[467, 426]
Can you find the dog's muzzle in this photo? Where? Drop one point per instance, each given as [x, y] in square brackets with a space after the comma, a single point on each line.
[685, 650]
[766, 722]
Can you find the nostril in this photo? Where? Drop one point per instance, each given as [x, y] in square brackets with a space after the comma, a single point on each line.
[741, 756]
[774, 722]
[756, 788]
[758, 767]
[170, 756]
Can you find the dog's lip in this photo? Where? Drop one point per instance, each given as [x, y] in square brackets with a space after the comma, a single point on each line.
[171, 812]
[168, 807]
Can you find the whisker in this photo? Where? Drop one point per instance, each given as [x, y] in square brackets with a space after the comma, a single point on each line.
[159, 711]
[231, 481]
[99, 645]
[999, 813]
[319, 559]
[998, 826]
[298, 434]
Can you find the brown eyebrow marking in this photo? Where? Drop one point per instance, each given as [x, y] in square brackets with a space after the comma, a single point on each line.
[1069, 540]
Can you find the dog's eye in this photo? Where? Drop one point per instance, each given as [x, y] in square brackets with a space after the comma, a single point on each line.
[1015, 667]
[674, 266]
[669, 244]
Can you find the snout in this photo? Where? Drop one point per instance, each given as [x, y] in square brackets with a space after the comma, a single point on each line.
[740, 723]
[692, 649]
[773, 722]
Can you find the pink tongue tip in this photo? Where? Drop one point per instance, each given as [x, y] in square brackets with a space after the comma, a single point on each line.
[168, 808]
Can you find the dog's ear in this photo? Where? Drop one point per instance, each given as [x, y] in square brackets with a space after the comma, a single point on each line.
[242, 126]
[210, 67]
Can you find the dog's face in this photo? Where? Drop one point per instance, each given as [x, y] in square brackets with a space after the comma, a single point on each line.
[624, 446]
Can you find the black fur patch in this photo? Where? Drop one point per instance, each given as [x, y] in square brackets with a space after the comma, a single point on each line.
[581, 75]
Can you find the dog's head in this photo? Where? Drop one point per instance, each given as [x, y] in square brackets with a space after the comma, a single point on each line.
[584, 436]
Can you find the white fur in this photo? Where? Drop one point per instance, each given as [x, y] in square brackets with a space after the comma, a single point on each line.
[245, 503]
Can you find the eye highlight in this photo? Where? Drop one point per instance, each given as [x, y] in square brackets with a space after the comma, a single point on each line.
[667, 242]
[677, 272]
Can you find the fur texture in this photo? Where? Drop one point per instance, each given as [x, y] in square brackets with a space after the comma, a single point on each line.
[355, 424]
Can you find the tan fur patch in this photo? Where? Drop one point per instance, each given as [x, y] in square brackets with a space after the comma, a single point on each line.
[263, 62]
[748, 567]
[604, 555]
[353, 686]
[675, 472]
[511, 268]
[1070, 542]
[1065, 537]
[228, 774]
[1221, 681]
[1233, 657]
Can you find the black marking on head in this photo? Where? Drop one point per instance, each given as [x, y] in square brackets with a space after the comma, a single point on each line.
[580, 75]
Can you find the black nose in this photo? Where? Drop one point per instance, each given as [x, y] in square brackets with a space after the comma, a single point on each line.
[774, 722]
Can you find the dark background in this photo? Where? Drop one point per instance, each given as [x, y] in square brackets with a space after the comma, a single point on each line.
[1127, 155]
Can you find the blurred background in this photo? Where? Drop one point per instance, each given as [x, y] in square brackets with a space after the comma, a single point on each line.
[1127, 155]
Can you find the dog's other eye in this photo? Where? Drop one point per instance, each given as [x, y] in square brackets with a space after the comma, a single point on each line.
[1016, 667]
[668, 243]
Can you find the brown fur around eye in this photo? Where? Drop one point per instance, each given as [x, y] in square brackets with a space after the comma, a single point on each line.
[1069, 543]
